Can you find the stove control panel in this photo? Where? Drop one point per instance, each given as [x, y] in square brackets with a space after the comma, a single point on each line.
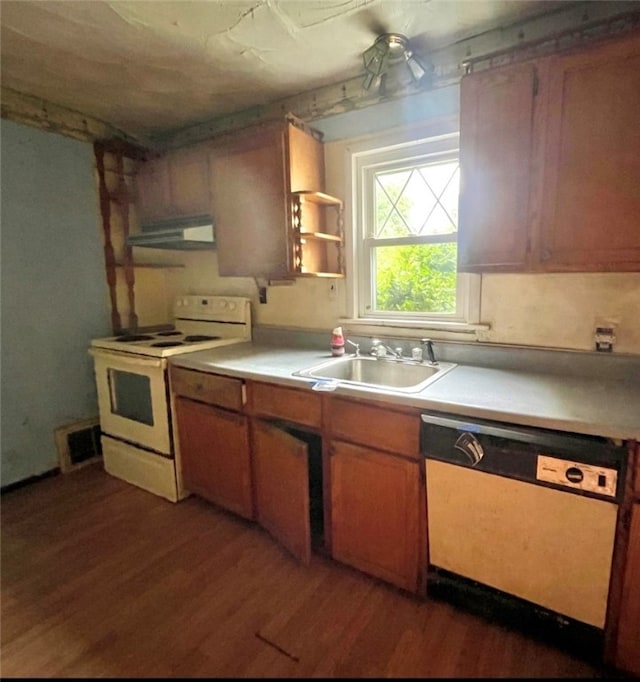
[588, 477]
[215, 308]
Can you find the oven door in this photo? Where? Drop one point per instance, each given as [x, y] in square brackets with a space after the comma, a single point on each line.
[132, 399]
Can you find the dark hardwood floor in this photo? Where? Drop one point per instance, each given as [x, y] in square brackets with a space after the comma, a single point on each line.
[101, 579]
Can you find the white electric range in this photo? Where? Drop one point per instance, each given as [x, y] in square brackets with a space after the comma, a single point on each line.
[133, 387]
[200, 322]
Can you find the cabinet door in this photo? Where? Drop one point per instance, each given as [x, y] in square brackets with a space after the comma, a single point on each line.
[496, 136]
[592, 176]
[306, 161]
[281, 480]
[189, 176]
[376, 515]
[250, 205]
[628, 641]
[214, 454]
[154, 190]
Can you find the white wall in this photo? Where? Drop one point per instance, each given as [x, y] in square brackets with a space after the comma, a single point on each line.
[53, 294]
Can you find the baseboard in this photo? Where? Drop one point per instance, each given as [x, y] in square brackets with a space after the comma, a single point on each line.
[28, 481]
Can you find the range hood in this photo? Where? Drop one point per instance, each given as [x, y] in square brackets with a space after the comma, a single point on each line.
[181, 234]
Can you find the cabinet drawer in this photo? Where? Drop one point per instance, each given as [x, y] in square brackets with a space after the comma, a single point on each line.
[291, 404]
[374, 426]
[207, 388]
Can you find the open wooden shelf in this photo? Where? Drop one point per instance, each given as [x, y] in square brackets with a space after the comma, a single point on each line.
[317, 236]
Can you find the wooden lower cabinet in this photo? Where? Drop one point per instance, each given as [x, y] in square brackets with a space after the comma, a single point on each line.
[376, 515]
[627, 656]
[215, 454]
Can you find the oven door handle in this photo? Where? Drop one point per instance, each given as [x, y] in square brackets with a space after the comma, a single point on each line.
[127, 359]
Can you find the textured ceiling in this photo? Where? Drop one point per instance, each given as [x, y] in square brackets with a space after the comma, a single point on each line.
[151, 67]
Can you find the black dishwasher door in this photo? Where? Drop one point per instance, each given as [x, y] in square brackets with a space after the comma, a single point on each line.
[512, 450]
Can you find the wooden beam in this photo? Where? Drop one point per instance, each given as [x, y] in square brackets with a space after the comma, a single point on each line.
[39, 113]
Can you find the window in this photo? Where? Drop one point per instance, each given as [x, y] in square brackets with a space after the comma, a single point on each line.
[405, 233]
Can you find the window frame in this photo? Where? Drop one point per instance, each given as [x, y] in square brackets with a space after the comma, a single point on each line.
[401, 148]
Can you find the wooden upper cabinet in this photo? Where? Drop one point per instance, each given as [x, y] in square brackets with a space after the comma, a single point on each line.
[591, 196]
[174, 184]
[154, 190]
[189, 176]
[258, 176]
[250, 207]
[550, 163]
[305, 160]
[496, 136]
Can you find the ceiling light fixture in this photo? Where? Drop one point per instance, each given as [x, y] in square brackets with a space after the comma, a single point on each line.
[387, 50]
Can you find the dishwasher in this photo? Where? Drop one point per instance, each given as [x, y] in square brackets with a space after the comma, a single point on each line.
[524, 517]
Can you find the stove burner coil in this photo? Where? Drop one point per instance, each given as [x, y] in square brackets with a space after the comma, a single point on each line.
[167, 344]
[171, 332]
[200, 337]
[128, 338]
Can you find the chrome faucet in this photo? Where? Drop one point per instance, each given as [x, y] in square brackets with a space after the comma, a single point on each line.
[428, 345]
[380, 350]
[356, 346]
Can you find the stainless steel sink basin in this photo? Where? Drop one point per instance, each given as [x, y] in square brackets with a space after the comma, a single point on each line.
[408, 377]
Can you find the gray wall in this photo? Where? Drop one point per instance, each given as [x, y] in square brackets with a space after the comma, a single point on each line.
[53, 291]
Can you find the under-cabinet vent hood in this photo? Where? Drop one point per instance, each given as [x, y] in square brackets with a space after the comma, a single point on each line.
[182, 234]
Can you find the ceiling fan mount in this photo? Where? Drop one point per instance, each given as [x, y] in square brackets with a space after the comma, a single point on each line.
[387, 50]
[395, 44]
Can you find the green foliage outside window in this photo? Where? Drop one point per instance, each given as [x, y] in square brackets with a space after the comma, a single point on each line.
[416, 278]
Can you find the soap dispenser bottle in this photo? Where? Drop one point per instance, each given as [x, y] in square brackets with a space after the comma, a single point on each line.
[337, 342]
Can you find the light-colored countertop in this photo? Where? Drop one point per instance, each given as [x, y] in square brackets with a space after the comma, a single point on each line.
[587, 405]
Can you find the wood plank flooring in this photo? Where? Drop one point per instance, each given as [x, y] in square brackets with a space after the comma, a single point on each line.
[101, 579]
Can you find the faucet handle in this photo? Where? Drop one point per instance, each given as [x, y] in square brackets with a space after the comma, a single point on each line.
[416, 354]
[377, 349]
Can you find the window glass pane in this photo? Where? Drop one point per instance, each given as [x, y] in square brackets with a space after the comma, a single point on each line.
[391, 205]
[449, 198]
[439, 222]
[422, 201]
[415, 278]
[419, 203]
[131, 396]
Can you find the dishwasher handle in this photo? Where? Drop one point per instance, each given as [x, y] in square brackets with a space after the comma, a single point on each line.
[533, 436]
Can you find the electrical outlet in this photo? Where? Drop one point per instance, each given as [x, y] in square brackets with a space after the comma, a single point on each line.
[605, 335]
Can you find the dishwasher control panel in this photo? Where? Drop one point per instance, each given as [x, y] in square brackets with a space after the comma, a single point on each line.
[587, 477]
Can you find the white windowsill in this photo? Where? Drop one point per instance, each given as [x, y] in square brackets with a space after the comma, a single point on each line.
[416, 328]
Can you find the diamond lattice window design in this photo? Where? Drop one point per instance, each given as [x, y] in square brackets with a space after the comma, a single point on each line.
[418, 201]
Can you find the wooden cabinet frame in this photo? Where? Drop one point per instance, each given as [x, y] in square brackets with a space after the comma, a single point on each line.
[622, 629]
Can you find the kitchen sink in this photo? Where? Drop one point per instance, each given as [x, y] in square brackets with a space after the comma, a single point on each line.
[405, 376]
